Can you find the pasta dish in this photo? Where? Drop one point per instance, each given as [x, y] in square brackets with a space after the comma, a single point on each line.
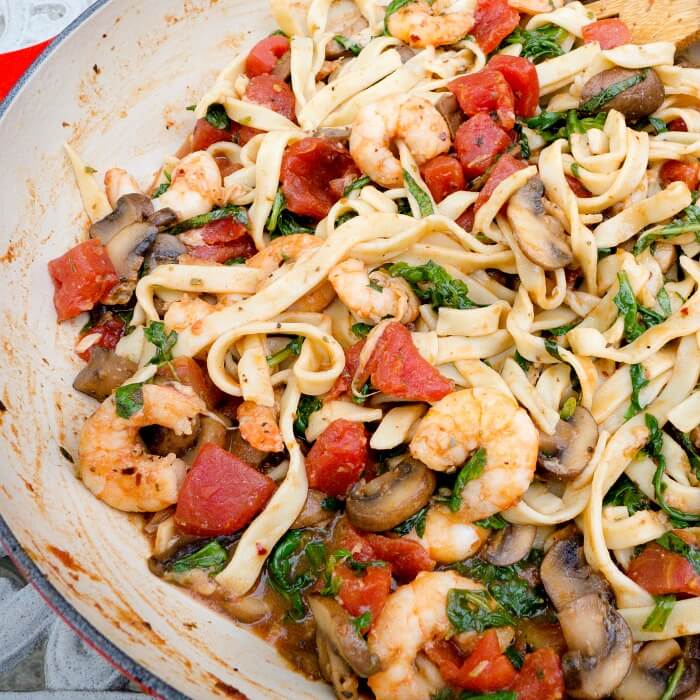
[399, 353]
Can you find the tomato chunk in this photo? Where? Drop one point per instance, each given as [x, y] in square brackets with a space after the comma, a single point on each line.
[541, 677]
[397, 368]
[521, 75]
[338, 457]
[443, 175]
[220, 494]
[679, 171]
[204, 134]
[272, 92]
[466, 219]
[222, 231]
[494, 20]
[246, 133]
[506, 166]
[609, 33]
[576, 187]
[343, 382]
[407, 557]
[242, 247]
[265, 54]
[110, 332]
[314, 173]
[662, 572]
[345, 536]
[485, 91]
[190, 373]
[478, 142]
[677, 125]
[363, 591]
[81, 277]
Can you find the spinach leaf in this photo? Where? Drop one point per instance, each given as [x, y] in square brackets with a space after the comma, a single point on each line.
[348, 44]
[217, 117]
[626, 303]
[514, 656]
[332, 583]
[475, 610]
[553, 349]
[363, 394]
[164, 342]
[416, 521]
[433, 284]
[595, 103]
[563, 330]
[470, 471]
[362, 622]
[673, 543]
[128, 400]
[624, 492]
[356, 185]
[211, 556]
[523, 363]
[425, 203]
[522, 141]
[540, 43]
[307, 405]
[688, 223]
[227, 212]
[283, 222]
[639, 381]
[164, 186]
[361, 330]
[690, 450]
[331, 503]
[393, 6]
[663, 606]
[493, 522]
[279, 569]
[345, 217]
[277, 207]
[561, 125]
[659, 125]
[293, 348]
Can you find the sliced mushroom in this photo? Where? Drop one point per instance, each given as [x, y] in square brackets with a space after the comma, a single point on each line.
[540, 236]
[389, 499]
[163, 218]
[313, 512]
[166, 249]
[163, 441]
[406, 53]
[647, 677]
[567, 453]
[334, 622]
[245, 451]
[334, 133]
[335, 669]
[130, 209]
[103, 373]
[510, 544]
[448, 106]
[210, 431]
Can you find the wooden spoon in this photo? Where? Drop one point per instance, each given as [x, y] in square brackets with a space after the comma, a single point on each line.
[654, 20]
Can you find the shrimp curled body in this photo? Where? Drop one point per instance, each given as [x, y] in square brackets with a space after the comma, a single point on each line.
[413, 616]
[414, 120]
[476, 418]
[373, 297]
[113, 462]
[420, 24]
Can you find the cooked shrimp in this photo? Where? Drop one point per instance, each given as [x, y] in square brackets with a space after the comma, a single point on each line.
[287, 249]
[258, 426]
[195, 186]
[112, 460]
[118, 183]
[414, 120]
[448, 537]
[413, 616]
[374, 296]
[185, 312]
[476, 418]
[420, 24]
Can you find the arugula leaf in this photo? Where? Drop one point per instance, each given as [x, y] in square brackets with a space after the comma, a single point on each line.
[540, 43]
[663, 606]
[433, 284]
[128, 400]
[523, 363]
[217, 117]
[624, 492]
[626, 303]
[493, 522]
[211, 556]
[674, 680]
[393, 6]
[416, 521]
[356, 185]
[561, 125]
[362, 622]
[595, 103]
[307, 406]
[470, 471]
[425, 203]
[361, 330]
[689, 447]
[688, 223]
[227, 212]
[673, 543]
[293, 348]
[639, 381]
[164, 342]
[348, 44]
[475, 610]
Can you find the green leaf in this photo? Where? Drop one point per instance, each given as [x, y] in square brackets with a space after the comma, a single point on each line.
[361, 330]
[475, 611]
[356, 185]
[690, 450]
[522, 362]
[362, 622]
[217, 117]
[493, 522]
[515, 657]
[639, 380]
[673, 680]
[415, 522]
[561, 125]
[470, 471]
[191, 108]
[433, 284]
[348, 44]
[563, 330]
[539, 44]
[291, 349]
[423, 199]
[128, 400]
[569, 408]
[279, 569]
[332, 583]
[659, 125]
[663, 606]
[624, 492]
[345, 217]
[673, 543]
[688, 223]
[164, 342]
[277, 207]
[283, 222]
[664, 302]
[227, 212]
[552, 348]
[211, 556]
[604, 252]
[363, 394]
[240, 260]
[626, 303]
[161, 189]
[307, 406]
[597, 102]
[393, 6]
[331, 503]
[522, 141]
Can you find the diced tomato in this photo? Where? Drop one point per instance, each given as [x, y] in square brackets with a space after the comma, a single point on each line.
[345, 536]
[521, 75]
[220, 494]
[363, 591]
[190, 373]
[272, 92]
[478, 142]
[466, 219]
[81, 277]
[110, 332]
[443, 175]
[352, 362]
[407, 557]
[265, 54]
[494, 21]
[338, 457]
[541, 677]
[242, 247]
[314, 173]
[246, 133]
[609, 33]
[446, 657]
[677, 125]
[485, 91]
[662, 572]
[679, 171]
[397, 368]
[204, 135]
[576, 187]
[222, 231]
[506, 166]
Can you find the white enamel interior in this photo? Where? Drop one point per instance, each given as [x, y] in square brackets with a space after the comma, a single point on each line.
[151, 60]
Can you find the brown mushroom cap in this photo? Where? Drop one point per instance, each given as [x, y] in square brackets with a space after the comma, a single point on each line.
[448, 107]
[105, 372]
[313, 512]
[510, 544]
[540, 236]
[163, 441]
[166, 249]
[387, 500]
[567, 453]
[130, 209]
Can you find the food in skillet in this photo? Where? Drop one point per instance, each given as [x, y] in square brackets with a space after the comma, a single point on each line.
[400, 351]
